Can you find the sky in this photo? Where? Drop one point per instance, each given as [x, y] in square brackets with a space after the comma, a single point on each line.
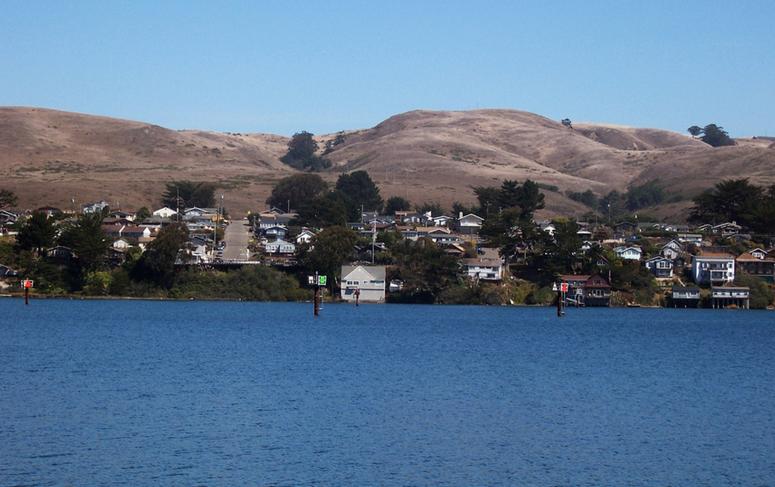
[286, 66]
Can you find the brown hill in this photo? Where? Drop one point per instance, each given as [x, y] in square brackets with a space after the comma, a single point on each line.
[49, 157]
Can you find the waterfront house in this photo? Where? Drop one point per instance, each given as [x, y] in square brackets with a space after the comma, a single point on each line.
[628, 253]
[661, 267]
[587, 290]
[6, 272]
[685, 297]
[757, 263]
[713, 268]
[367, 282]
[723, 296]
[486, 266]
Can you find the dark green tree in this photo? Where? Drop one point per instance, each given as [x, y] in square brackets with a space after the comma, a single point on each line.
[142, 214]
[295, 190]
[326, 210]
[301, 153]
[425, 269]
[730, 200]
[716, 136]
[157, 264]
[434, 207]
[8, 199]
[88, 242]
[587, 198]
[694, 130]
[359, 191]
[647, 194]
[36, 234]
[613, 206]
[397, 203]
[329, 250]
[188, 194]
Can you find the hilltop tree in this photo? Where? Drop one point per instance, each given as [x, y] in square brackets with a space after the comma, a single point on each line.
[190, 193]
[295, 190]
[8, 199]
[694, 130]
[716, 136]
[358, 190]
[301, 153]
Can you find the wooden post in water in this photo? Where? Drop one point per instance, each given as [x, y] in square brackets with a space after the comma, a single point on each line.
[27, 285]
[316, 301]
[357, 296]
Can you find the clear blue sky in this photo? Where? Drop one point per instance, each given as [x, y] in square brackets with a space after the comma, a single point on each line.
[285, 66]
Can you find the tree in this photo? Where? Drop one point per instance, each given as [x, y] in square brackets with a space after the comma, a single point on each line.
[187, 194]
[301, 153]
[567, 123]
[326, 210]
[359, 191]
[88, 242]
[142, 214]
[8, 199]
[157, 263]
[716, 136]
[648, 194]
[295, 190]
[329, 250]
[694, 130]
[425, 269]
[730, 200]
[587, 197]
[433, 207]
[397, 203]
[37, 233]
[613, 206]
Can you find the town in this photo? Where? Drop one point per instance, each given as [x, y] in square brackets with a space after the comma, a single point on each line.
[494, 252]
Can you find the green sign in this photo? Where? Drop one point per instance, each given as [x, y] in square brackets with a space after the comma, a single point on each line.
[321, 280]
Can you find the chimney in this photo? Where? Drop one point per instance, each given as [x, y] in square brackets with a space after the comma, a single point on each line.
[460, 215]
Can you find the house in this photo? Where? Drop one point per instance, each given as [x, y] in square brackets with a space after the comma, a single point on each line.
[121, 244]
[469, 224]
[726, 229]
[587, 290]
[96, 207]
[704, 228]
[6, 271]
[487, 266]
[281, 247]
[305, 236]
[628, 253]
[757, 263]
[165, 212]
[266, 220]
[275, 232]
[7, 217]
[49, 211]
[685, 297]
[597, 291]
[60, 253]
[442, 220]
[713, 268]
[122, 215]
[196, 213]
[672, 249]
[690, 238]
[721, 297]
[661, 267]
[366, 283]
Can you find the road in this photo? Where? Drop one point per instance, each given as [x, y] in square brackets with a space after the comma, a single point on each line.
[236, 236]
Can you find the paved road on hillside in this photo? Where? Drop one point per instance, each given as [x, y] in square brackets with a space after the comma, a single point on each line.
[236, 236]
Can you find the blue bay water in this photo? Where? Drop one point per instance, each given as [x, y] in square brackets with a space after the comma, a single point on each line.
[223, 393]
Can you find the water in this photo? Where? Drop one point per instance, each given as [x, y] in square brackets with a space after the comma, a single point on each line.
[193, 393]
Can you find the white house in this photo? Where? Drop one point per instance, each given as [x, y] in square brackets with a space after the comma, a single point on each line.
[305, 236]
[121, 244]
[367, 281]
[628, 253]
[442, 220]
[95, 207]
[690, 238]
[280, 246]
[470, 223]
[165, 212]
[487, 266]
[715, 268]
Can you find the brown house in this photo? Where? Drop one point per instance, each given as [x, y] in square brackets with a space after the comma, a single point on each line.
[757, 263]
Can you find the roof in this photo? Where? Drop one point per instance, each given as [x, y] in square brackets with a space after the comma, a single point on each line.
[749, 257]
[686, 289]
[575, 277]
[714, 255]
[375, 271]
